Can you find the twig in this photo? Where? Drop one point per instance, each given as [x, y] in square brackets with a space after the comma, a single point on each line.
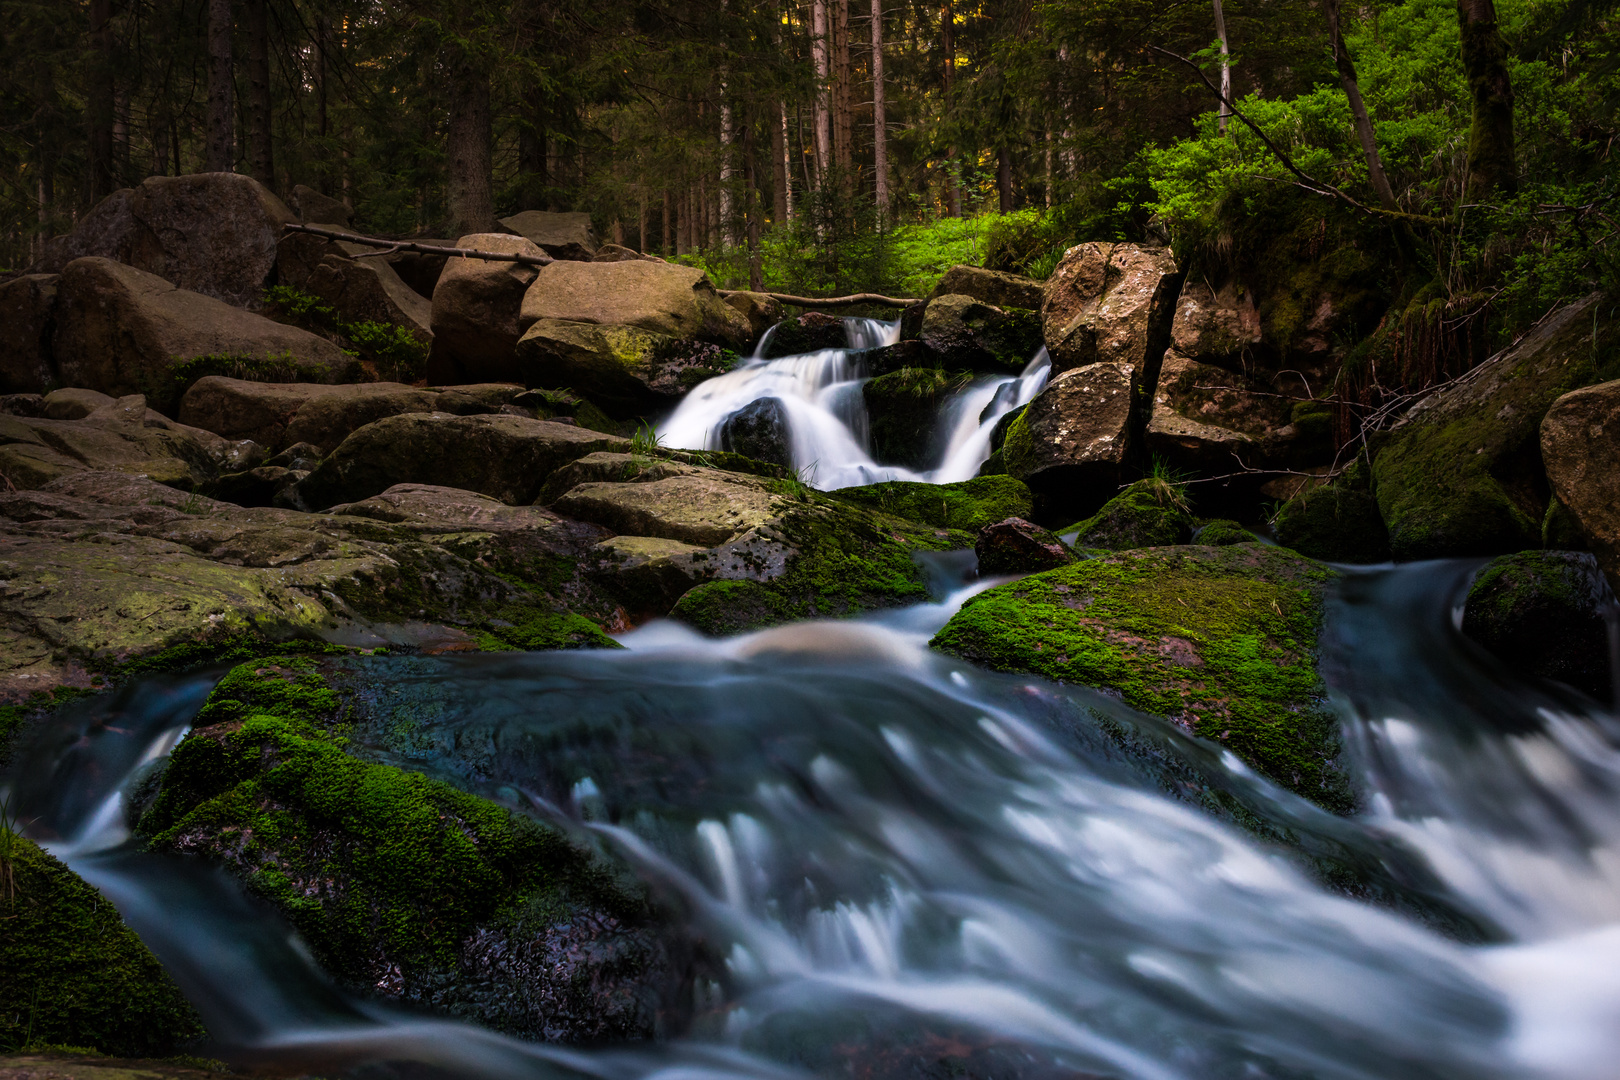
[421, 249]
[833, 301]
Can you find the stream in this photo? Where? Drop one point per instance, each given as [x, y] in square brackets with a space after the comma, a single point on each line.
[902, 858]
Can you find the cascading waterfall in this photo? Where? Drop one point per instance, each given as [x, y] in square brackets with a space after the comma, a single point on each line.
[820, 393]
[902, 858]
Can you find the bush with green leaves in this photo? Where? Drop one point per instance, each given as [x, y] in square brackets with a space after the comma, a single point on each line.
[397, 354]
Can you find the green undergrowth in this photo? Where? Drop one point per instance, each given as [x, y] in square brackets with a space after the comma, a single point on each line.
[969, 505]
[544, 630]
[281, 368]
[1222, 640]
[397, 354]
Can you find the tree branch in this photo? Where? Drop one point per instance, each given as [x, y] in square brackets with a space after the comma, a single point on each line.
[834, 301]
[420, 249]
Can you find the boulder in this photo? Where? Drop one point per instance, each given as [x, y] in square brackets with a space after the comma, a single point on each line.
[1215, 327]
[1221, 641]
[1111, 303]
[22, 405]
[476, 399]
[27, 321]
[810, 332]
[476, 312]
[73, 403]
[1149, 513]
[1580, 446]
[759, 430]
[123, 436]
[1016, 546]
[1220, 532]
[325, 420]
[1208, 420]
[760, 309]
[648, 574]
[620, 253]
[209, 233]
[359, 290]
[262, 485]
[903, 411]
[969, 505]
[1461, 473]
[416, 269]
[1338, 522]
[1546, 614]
[992, 287]
[123, 331]
[967, 333]
[318, 209]
[562, 236]
[902, 354]
[705, 507]
[626, 370]
[505, 457]
[243, 409]
[676, 301]
[1073, 442]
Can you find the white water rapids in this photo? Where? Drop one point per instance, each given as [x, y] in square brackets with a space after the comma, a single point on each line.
[821, 395]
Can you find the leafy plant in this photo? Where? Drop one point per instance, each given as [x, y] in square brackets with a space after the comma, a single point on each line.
[646, 441]
[396, 354]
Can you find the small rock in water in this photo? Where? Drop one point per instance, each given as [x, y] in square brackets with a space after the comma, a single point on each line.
[810, 332]
[1016, 546]
[759, 430]
[1545, 613]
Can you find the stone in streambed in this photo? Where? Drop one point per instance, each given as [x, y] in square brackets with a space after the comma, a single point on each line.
[968, 334]
[627, 370]
[969, 505]
[810, 332]
[663, 298]
[903, 410]
[1221, 641]
[1149, 513]
[1580, 445]
[762, 310]
[759, 430]
[359, 289]
[122, 435]
[1545, 614]
[697, 506]
[1016, 546]
[1338, 522]
[1110, 303]
[1220, 532]
[1072, 443]
[995, 287]
[477, 312]
[73, 403]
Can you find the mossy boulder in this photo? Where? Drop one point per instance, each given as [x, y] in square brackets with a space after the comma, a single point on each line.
[760, 430]
[1462, 473]
[1149, 513]
[120, 435]
[903, 411]
[668, 299]
[1338, 522]
[1016, 546]
[1220, 532]
[969, 505]
[1580, 444]
[627, 370]
[1220, 640]
[810, 332]
[968, 333]
[1111, 303]
[1073, 443]
[996, 287]
[401, 885]
[1545, 614]
[71, 972]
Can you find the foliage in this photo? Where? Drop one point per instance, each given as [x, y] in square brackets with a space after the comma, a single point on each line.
[394, 352]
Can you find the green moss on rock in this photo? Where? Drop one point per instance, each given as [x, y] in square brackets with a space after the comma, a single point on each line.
[71, 972]
[969, 505]
[1149, 513]
[903, 412]
[1221, 532]
[1545, 614]
[1221, 640]
[1336, 523]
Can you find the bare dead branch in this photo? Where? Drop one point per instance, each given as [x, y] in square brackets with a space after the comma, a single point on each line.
[421, 249]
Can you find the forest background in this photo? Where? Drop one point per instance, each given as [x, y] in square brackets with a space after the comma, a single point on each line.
[1450, 162]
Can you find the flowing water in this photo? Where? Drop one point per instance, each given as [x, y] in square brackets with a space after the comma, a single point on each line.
[902, 859]
[821, 395]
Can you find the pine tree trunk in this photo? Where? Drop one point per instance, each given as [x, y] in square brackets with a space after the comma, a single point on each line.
[818, 59]
[880, 131]
[261, 153]
[1358, 108]
[728, 232]
[534, 153]
[1004, 183]
[843, 93]
[100, 101]
[947, 37]
[1226, 66]
[467, 148]
[667, 223]
[221, 156]
[1491, 159]
[781, 167]
[322, 37]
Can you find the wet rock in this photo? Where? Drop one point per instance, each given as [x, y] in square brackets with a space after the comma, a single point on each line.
[1073, 442]
[759, 430]
[209, 233]
[561, 235]
[1209, 420]
[122, 435]
[1149, 513]
[1580, 445]
[74, 974]
[967, 333]
[969, 505]
[358, 289]
[760, 309]
[318, 209]
[810, 332]
[1336, 523]
[73, 403]
[325, 420]
[675, 301]
[1545, 614]
[1182, 633]
[261, 411]
[27, 322]
[903, 410]
[22, 405]
[1110, 303]
[123, 331]
[1221, 532]
[476, 312]
[1016, 546]
[648, 574]
[628, 371]
[706, 507]
[476, 399]
[1221, 328]
[1461, 473]
[992, 287]
[505, 457]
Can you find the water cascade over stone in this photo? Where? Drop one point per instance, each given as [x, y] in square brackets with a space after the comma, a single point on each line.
[820, 395]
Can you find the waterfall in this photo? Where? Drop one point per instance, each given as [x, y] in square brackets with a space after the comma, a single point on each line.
[821, 396]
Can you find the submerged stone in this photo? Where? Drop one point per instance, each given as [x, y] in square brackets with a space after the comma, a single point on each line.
[903, 410]
[759, 430]
[1545, 614]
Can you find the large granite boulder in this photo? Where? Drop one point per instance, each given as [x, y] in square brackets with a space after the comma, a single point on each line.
[261, 411]
[325, 420]
[1113, 303]
[1219, 327]
[903, 410]
[676, 301]
[969, 334]
[762, 310]
[1461, 473]
[1211, 420]
[122, 435]
[123, 331]
[1149, 513]
[566, 236]
[992, 287]
[502, 456]
[358, 289]
[476, 312]
[1546, 614]
[318, 209]
[27, 322]
[210, 233]
[1074, 441]
[1337, 522]
[627, 370]
[759, 430]
[1580, 446]
[810, 332]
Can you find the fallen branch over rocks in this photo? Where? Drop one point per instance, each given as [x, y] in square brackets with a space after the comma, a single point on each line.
[388, 247]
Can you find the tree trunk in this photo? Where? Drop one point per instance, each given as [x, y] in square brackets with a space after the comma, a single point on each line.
[100, 104]
[641, 225]
[534, 153]
[322, 36]
[261, 154]
[467, 147]
[667, 224]
[221, 156]
[728, 232]
[1358, 109]
[880, 131]
[781, 167]
[1491, 160]
[947, 38]
[843, 93]
[818, 59]
[1226, 66]
[1004, 184]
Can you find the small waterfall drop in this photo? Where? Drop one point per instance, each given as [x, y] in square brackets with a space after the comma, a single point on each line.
[821, 395]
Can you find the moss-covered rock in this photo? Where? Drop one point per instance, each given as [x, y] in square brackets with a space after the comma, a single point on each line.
[810, 332]
[1338, 522]
[969, 505]
[627, 370]
[71, 972]
[903, 413]
[1221, 640]
[1016, 546]
[1220, 532]
[1545, 614]
[1149, 513]
[401, 885]
[968, 333]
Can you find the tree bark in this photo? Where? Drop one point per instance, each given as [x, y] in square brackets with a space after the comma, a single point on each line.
[1226, 66]
[880, 131]
[1004, 183]
[668, 223]
[1358, 109]
[843, 92]
[728, 232]
[818, 59]
[781, 167]
[947, 38]
[100, 104]
[468, 137]
[221, 155]
[322, 36]
[1491, 159]
[261, 153]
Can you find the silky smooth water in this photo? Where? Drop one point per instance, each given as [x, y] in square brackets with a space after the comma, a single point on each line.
[820, 393]
[900, 858]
